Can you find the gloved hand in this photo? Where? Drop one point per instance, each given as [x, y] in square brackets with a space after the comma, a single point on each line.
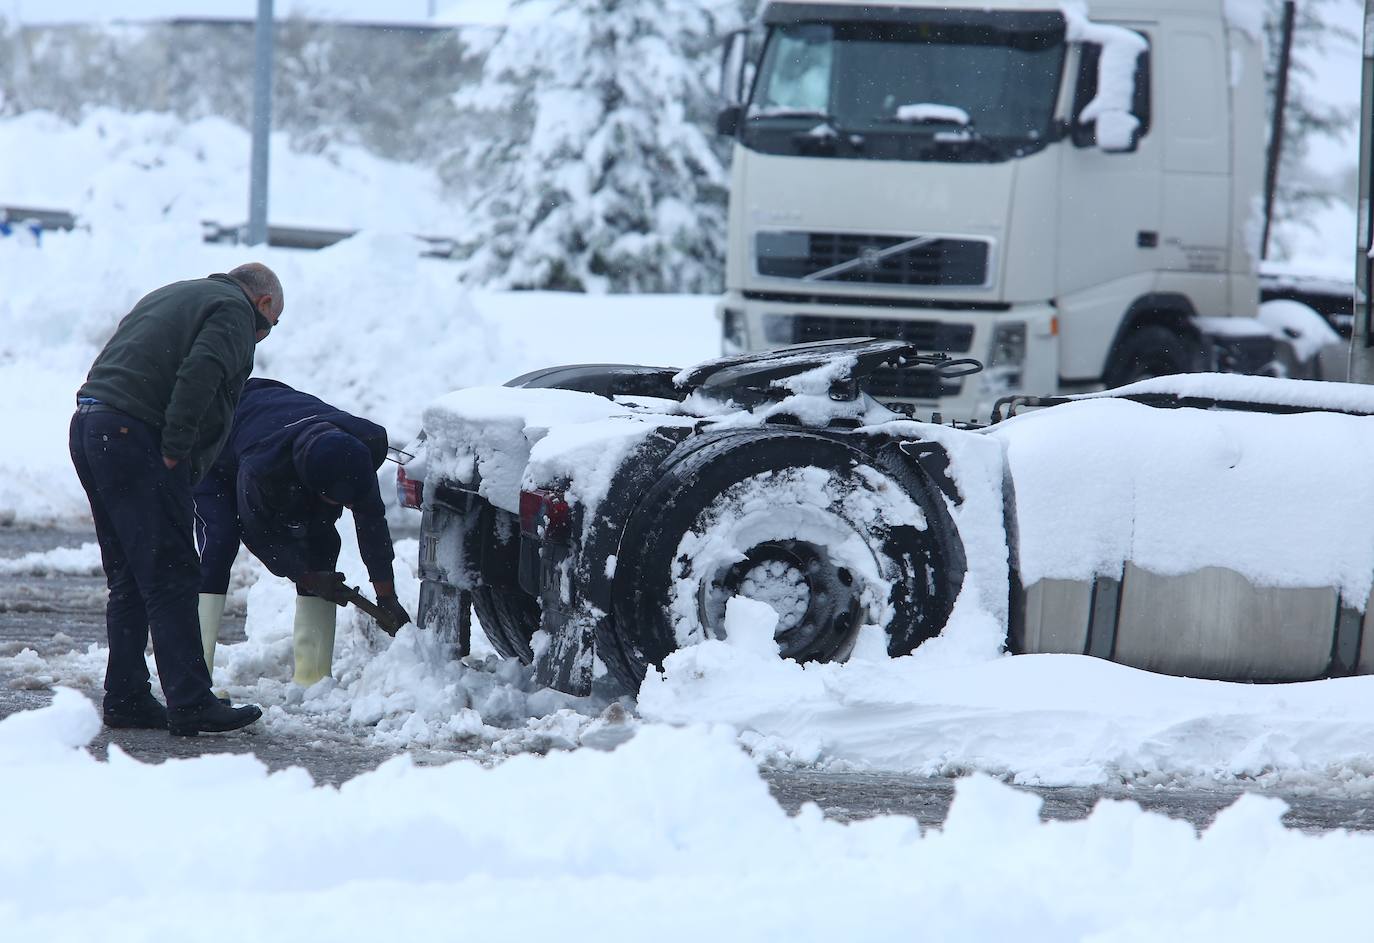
[396, 615]
[326, 585]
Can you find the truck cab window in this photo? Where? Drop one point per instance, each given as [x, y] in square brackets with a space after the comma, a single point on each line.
[923, 88]
[799, 80]
[1085, 90]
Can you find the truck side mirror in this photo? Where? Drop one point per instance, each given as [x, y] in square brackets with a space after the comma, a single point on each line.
[728, 119]
[1110, 126]
[732, 62]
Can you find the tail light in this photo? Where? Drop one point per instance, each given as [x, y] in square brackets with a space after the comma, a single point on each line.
[545, 515]
[409, 491]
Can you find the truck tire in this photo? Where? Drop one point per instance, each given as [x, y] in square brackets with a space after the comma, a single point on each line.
[509, 618]
[830, 536]
[1153, 350]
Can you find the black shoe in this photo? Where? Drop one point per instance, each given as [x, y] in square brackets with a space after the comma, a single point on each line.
[213, 717]
[143, 712]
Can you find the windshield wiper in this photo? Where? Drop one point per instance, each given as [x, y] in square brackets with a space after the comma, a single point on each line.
[765, 114]
[825, 135]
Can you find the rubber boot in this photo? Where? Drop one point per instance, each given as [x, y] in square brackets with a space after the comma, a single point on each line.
[313, 639]
[211, 613]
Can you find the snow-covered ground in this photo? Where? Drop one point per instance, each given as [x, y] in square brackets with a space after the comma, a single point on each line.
[673, 836]
[672, 815]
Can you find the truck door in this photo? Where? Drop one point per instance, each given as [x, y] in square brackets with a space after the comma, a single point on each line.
[1109, 217]
[1196, 239]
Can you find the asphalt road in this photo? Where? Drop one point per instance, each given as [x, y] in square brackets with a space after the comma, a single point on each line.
[55, 614]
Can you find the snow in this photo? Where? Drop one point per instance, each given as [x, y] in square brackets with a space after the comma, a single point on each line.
[1303, 328]
[927, 111]
[61, 561]
[672, 815]
[507, 439]
[112, 168]
[1273, 391]
[1280, 499]
[1036, 719]
[1111, 106]
[387, 854]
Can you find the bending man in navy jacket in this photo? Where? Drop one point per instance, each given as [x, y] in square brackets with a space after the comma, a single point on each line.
[292, 464]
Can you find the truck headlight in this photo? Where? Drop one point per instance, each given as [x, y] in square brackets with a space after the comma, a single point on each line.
[734, 336]
[1007, 354]
[779, 329]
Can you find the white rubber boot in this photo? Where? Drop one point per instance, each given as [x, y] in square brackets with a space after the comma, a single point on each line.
[313, 639]
[211, 613]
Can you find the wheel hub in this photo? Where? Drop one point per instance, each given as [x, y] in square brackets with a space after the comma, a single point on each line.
[809, 592]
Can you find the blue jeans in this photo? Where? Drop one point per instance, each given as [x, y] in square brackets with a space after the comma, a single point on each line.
[142, 512]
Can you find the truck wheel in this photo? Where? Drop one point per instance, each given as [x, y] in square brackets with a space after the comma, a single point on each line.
[829, 536]
[1154, 351]
[509, 618]
[509, 615]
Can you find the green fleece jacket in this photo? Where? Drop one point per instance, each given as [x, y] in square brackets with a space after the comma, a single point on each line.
[178, 362]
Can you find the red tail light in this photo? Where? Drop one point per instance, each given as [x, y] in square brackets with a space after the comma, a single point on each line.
[409, 491]
[545, 515]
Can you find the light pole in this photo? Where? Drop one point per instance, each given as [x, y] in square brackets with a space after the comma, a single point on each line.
[262, 124]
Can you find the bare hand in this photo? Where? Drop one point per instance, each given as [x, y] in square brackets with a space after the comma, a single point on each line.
[170, 462]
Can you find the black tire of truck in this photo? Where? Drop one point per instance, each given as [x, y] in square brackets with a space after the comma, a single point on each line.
[1153, 350]
[509, 616]
[925, 567]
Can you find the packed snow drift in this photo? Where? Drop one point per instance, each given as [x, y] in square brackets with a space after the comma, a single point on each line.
[460, 850]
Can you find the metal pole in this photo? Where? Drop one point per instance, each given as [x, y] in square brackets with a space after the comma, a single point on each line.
[1271, 169]
[1361, 337]
[262, 124]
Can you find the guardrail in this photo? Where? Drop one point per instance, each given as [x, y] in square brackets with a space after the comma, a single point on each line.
[33, 220]
[301, 237]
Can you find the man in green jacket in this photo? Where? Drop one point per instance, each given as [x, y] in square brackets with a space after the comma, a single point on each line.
[151, 417]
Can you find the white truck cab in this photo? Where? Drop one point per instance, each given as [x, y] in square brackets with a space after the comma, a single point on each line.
[1071, 197]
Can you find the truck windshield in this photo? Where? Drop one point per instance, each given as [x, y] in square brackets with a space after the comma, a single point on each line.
[940, 90]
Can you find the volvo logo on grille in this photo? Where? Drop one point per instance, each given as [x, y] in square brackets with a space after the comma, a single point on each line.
[870, 258]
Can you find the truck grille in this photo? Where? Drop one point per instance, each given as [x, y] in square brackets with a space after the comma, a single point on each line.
[933, 336]
[873, 259]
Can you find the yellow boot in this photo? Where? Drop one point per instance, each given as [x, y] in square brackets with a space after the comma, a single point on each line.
[313, 639]
[211, 613]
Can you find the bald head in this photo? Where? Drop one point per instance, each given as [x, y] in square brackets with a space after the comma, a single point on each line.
[263, 288]
[260, 282]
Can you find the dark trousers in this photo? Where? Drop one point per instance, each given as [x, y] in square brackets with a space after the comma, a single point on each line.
[217, 529]
[142, 514]
[224, 519]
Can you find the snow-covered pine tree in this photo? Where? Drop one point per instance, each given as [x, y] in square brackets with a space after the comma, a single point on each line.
[595, 171]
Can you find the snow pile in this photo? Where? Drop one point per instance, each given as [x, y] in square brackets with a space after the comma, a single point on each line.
[704, 829]
[1284, 500]
[1038, 719]
[61, 561]
[113, 169]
